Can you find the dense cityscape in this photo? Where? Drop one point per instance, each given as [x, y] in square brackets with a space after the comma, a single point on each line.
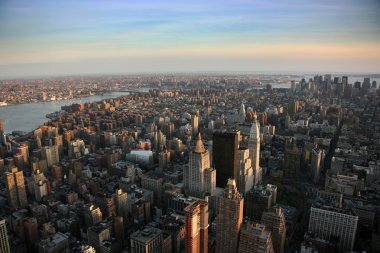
[216, 126]
[212, 163]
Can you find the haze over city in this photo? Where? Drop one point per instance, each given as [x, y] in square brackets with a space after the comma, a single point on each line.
[40, 38]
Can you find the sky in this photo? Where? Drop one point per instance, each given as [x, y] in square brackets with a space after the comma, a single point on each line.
[72, 37]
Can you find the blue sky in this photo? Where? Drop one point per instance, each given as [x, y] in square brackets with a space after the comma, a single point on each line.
[84, 37]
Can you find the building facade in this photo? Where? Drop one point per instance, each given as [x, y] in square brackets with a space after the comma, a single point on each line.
[229, 219]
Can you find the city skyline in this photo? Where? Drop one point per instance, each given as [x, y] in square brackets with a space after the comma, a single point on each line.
[70, 38]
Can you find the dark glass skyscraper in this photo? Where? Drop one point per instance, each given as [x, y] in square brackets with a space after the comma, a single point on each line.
[225, 156]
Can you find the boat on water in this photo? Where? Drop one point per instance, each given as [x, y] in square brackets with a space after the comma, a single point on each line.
[3, 104]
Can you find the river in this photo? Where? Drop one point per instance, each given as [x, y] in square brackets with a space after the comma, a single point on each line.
[27, 117]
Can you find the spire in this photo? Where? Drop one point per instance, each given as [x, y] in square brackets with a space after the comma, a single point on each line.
[255, 129]
[254, 115]
[199, 148]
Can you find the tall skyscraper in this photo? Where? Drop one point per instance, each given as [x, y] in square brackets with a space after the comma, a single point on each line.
[92, 215]
[292, 159]
[229, 219]
[196, 221]
[327, 222]
[225, 156]
[1, 125]
[255, 238]
[246, 176]
[16, 188]
[254, 149]
[242, 114]
[199, 178]
[4, 243]
[120, 199]
[316, 156]
[194, 124]
[274, 220]
[50, 154]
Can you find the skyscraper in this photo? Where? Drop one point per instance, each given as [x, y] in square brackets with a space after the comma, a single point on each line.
[327, 222]
[254, 149]
[274, 220]
[199, 178]
[196, 220]
[120, 199]
[316, 156]
[292, 159]
[225, 156]
[246, 176]
[16, 188]
[229, 219]
[194, 124]
[255, 238]
[4, 243]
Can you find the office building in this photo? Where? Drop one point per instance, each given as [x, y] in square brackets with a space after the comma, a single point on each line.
[229, 219]
[260, 199]
[148, 240]
[292, 159]
[120, 200]
[255, 238]
[92, 215]
[4, 243]
[97, 234]
[327, 222]
[50, 154]
[199, 178]
[225, 156]
[246, 176]
[16, 188]
[196, 222]
[274, 220]
[59, 242]
[194, 124]
[254, 149]
[316, 157]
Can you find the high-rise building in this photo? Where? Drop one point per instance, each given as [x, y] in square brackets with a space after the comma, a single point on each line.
[274, 220]
[345, 80]
[163, 159]
[327, 222]
[4, 243]
[16, 188]
[246, 177]
[229, 219]
[148, 240]
[292, 159]
[225, 156]
[196, 221]
[50, 154]
[366, 84]
[92, 215]
[194, 124]
[316, 156]
[97, 234]
[199, 178]
[254, 150]
[255, 238]
[260, 199]
[242, 114]
[120, 200]
[59, 242]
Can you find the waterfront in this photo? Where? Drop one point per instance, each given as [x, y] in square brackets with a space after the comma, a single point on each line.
[27, 117]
